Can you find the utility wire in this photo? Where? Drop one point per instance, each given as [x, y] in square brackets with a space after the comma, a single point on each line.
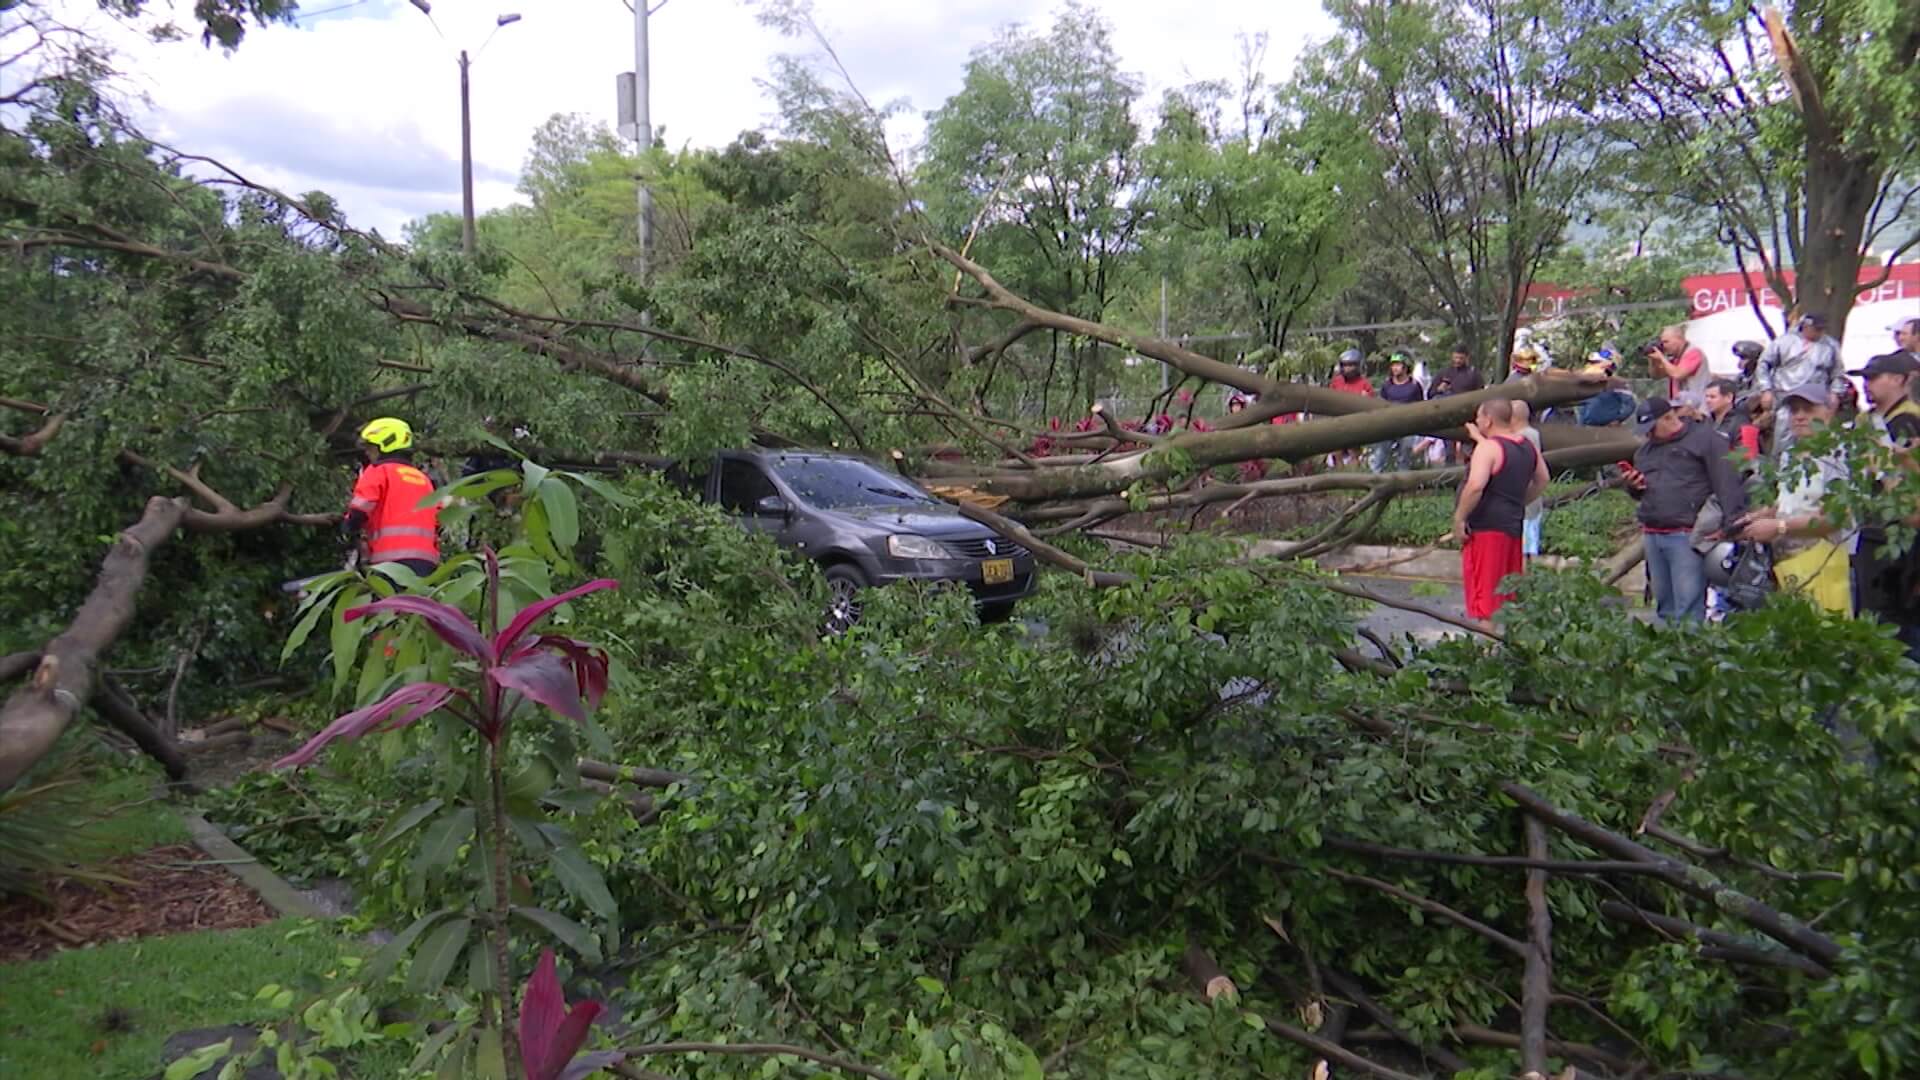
[305, 15]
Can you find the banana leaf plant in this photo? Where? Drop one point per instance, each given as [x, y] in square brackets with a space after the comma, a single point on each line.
[510, 667]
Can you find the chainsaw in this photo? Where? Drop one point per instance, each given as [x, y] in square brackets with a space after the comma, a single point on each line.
[298, 586]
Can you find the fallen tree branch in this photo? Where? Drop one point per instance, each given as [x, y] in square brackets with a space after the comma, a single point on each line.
[1542, 392]
[1512, 862]
[1486, 1036]
[1406, 896]
[1714, 854]
[641, 805]
[187, 655]
[1207, 976]
[30, 444]
[1362, 593]
[1536, 983]
[1692, 880]
[14, 665]
[1042, 550]
[1622, 562]
[1725, 946]
[631, 774]
[1110, 506]
[1349, 987]
[117, 708]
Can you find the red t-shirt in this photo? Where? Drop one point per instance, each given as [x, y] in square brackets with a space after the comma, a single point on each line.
[1357, 386]
[1693, 374]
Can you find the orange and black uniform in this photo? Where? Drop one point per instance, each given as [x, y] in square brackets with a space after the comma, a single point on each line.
[391, 502]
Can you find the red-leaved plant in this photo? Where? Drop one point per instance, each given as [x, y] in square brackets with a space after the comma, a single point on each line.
[551, 1035]
[565, 675]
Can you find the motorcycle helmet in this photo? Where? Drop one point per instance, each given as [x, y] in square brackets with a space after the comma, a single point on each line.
[1721, 559]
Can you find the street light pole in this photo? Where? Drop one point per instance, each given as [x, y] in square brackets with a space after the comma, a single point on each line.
[466, 162]
[642, 133]
[466, 122]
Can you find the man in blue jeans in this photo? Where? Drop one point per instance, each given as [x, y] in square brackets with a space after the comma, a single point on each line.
[1681, 463]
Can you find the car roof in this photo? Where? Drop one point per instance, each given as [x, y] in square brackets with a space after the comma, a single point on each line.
[764, 454]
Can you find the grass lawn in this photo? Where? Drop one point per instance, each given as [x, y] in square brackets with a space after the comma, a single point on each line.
[55, 1013]
[134, 818]
[103, 1012]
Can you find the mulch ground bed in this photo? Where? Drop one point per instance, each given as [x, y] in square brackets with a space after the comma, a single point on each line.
[173, 889]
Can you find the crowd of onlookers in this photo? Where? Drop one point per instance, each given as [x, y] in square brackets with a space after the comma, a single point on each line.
[1710, 545]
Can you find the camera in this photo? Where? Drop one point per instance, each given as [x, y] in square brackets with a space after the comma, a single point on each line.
[1652, 345]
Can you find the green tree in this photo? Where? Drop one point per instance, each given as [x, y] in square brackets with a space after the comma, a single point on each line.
[1479, 141]
[1798, 144]
[1260, 204]
[1041, 150]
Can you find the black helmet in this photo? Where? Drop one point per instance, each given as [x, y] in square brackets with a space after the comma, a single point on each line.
[1720, 562]
[1748, 350]
[1352, 356]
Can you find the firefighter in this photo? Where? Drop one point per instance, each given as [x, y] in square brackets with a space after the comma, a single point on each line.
[392, 501]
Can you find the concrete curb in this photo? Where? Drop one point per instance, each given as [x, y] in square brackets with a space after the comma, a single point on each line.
[274, 889]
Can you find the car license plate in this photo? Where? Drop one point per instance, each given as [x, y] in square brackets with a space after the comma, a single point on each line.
[996, 571]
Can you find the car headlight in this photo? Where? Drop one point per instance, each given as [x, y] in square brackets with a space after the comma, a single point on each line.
[916, 547]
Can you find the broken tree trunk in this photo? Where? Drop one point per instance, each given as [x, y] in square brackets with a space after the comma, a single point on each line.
[36, 714]
[1182, 455]
[67, 674]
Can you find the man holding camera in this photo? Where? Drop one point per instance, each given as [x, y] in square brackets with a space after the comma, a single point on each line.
[1683, 365]
[1805, 357]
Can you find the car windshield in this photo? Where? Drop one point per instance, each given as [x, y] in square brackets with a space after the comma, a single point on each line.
[843, 484]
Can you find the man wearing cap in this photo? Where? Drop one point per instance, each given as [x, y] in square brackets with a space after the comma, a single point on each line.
[1888, 586]
[1807, 356]
[1401, 388]
[1608, 406]
[1809, 556]
[1680, 465]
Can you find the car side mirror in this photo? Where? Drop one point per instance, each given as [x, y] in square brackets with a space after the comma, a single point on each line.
[772, 506]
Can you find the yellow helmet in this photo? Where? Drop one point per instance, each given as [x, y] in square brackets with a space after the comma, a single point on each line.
[388, 433]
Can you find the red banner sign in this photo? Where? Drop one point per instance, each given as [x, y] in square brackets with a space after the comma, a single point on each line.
[1709, 294]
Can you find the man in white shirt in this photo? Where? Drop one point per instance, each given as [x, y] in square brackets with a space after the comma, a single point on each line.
[1806, 357]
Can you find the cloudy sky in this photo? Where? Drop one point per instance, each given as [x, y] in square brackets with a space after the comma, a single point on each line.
[362, 99]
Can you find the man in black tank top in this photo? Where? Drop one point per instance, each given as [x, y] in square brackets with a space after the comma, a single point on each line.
[1503, 476]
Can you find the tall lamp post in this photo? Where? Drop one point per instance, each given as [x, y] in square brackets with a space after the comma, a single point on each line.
[631, 92]
[466, 124]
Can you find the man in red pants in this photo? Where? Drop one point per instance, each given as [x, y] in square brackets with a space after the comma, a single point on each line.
[1505, 474]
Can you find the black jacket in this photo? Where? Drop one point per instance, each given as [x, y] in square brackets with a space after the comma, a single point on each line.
[1681, 473]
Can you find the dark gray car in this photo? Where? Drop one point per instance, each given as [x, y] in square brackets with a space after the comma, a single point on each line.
[865, 526]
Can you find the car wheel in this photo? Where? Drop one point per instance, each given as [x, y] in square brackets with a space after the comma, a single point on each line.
[844, 585]
[996, 613]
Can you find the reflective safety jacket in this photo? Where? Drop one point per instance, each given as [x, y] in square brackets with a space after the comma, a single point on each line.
[402, 522]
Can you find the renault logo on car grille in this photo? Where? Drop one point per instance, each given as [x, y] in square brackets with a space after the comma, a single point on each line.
[992, 549]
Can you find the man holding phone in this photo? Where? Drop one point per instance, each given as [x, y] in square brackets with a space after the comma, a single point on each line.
[1680, 465]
